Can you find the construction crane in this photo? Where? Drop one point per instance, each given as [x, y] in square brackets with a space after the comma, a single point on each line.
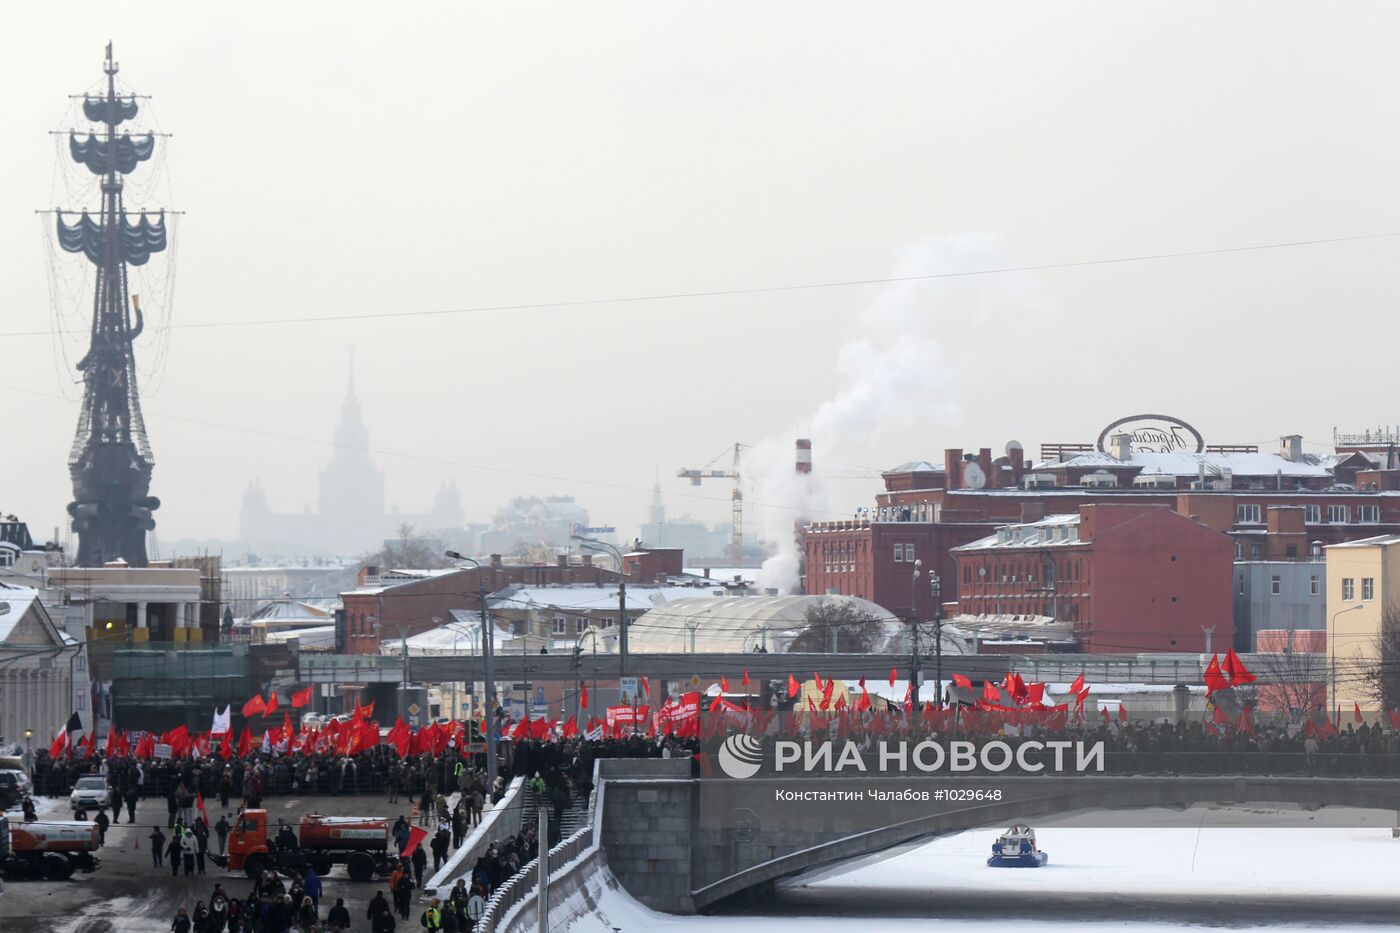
[736, 541]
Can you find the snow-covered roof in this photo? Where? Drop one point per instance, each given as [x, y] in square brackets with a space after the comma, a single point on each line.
[916, 466]
[738, 623]
[1374, 541]
[288, 611]
[1190, 464]
[994, 627]
[15, 602]
[461, 635]
[19, 602]
[1051, 531]
[316, 636]
[392, 578]
[597, 598]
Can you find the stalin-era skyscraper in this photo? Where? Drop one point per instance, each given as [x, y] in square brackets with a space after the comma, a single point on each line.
[111, 457]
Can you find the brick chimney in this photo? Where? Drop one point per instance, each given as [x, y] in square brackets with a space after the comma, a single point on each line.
[952, 468]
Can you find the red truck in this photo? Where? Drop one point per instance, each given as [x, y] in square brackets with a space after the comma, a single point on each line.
[360, 843]
[51, 849]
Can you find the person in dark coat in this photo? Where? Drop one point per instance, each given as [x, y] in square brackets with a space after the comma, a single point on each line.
[420, 865]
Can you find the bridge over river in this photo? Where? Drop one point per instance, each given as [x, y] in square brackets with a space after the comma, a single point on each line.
[683, 843]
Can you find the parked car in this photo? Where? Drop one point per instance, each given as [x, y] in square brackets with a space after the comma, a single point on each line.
[14, 787]
[90, 793]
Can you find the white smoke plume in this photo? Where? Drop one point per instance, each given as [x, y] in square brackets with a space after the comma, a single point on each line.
[892, 377]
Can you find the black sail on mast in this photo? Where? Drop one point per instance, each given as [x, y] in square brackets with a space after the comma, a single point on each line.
[111, 461]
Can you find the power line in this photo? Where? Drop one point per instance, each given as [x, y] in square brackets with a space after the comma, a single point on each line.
[756, 290]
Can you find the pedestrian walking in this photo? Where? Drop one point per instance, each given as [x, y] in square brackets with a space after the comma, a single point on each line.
[174, 852]
[102, 822]
[157, 847]
[221, 829]
[181, 923]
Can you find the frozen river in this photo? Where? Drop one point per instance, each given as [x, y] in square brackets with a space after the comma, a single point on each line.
[1171, 869]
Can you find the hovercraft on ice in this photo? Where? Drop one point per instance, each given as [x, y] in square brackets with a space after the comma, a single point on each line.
[1016, 848]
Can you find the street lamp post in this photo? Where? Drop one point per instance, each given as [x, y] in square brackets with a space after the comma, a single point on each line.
[616, 552]
[1332, 664]
[29, 751]
[914, 635]
[488, 653]
[935, 585]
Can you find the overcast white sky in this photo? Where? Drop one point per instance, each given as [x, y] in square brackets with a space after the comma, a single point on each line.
[349, 158]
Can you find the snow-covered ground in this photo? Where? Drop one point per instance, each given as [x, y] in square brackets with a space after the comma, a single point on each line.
[1177, 855]
[45, 808]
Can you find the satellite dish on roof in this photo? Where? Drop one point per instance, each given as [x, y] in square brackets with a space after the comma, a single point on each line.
[1013, 445]
[973, 477]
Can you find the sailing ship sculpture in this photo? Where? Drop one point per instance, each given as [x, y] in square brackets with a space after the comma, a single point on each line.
[110, 462]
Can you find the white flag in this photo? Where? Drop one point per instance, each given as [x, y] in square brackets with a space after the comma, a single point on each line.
[221, 722]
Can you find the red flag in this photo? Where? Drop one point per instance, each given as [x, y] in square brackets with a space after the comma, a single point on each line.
[893, 672]
[1103, 711]
[245, 743]
[1215, 678]
[1394, 719]
[1078, 686]
[745, 681]
[646, 687]
[960, 680]
[723, 684]
[416, 834]
[990, 693]
[817, 679]
[226, 746]
[1235, 670]
[253, 707]
[199, 804]
[716, 704]
[583, 695]
[1356, 712]
[1035, 694]
[1219, 715]
[271, 706]
[1246, 723]
[570, 728]
[864, 703]
[146, 747]
[60, 743]
[829, 686]
[302, 697]
[793, 686]
[1122, 713]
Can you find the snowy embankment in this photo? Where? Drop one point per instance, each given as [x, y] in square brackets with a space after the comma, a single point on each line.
[1314, 862]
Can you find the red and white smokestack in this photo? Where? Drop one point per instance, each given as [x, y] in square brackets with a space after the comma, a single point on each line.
[804, 455]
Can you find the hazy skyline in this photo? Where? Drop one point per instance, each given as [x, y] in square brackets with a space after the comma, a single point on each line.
[350, 160]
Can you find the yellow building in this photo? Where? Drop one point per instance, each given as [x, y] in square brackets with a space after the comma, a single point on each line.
[1363, 578]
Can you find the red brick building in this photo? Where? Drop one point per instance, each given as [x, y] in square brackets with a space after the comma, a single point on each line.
[1128, 578]
[404, 603]
[927, 510]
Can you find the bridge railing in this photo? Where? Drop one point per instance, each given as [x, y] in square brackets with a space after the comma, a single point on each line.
[513, 904]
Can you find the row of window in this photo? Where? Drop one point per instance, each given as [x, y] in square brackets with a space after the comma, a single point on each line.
[1368, 588]
[1252, 514]
[561, 624]
[1024, 608]
[1016, 571]
[1276, 585]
